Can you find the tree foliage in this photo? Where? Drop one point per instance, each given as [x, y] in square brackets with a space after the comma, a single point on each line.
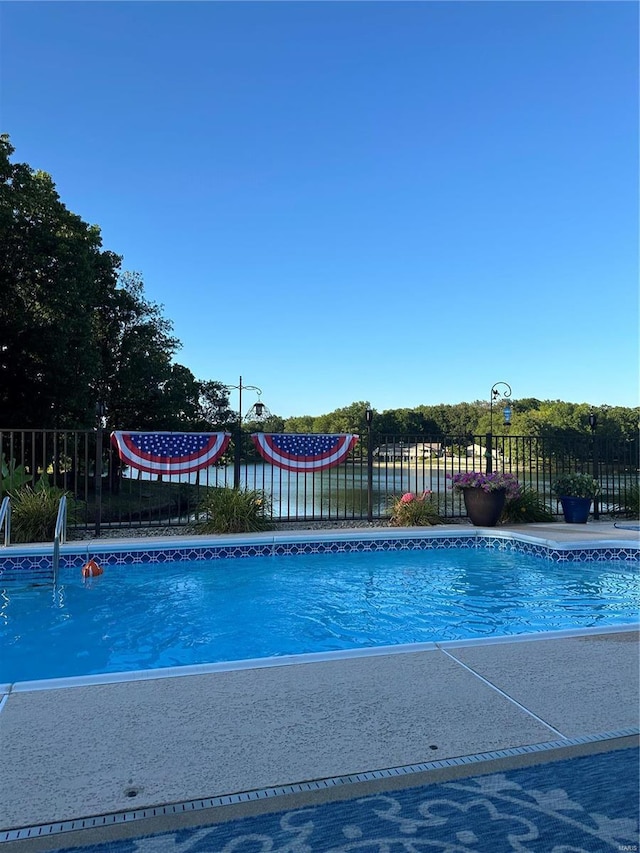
[54, 277]
[543, 418]
[74, 329]
[143, 388]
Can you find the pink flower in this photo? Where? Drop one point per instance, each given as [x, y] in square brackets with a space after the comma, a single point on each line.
[407, 498]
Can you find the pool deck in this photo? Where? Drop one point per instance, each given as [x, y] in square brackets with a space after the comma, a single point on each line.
[208, 740]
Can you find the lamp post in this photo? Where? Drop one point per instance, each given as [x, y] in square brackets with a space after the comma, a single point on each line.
[495, 395]
[369, 421]
[258, 407]
[593, 423]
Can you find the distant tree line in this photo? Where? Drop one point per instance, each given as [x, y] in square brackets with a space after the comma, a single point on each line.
[77, 330]
[541, 418]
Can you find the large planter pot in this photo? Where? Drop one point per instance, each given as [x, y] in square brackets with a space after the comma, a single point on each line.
[576, 510]
[484, 508]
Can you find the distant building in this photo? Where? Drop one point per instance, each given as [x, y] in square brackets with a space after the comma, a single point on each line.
[392, 452]
[425, 450]
[479, 450]
[398, 451]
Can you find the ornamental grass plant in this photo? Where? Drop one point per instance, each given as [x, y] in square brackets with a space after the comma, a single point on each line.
[412, 510]
[34, 511]
[526, 507]
[235, 511]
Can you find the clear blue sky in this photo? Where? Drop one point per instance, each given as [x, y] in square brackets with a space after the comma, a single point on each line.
[395, 202]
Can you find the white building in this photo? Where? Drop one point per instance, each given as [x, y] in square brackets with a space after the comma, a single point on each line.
[400, 452]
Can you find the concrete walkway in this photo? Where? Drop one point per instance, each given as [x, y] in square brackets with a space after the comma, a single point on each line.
[74, 752]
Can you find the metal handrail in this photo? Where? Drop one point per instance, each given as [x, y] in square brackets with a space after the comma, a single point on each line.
[5, 519]
[60, 535]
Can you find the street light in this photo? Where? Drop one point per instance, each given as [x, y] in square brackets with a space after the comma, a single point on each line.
[497, 394]
[259, 410]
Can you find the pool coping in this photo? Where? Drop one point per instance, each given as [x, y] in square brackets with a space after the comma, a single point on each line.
[572, 539]
[294, 660]
[570, 545]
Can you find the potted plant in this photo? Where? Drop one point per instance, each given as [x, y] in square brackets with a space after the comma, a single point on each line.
[575, 492]
[485, 494]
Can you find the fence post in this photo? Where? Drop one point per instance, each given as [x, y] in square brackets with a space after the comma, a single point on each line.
[596, 476]
[369, 417]
[489, 452]
[97, 479]
[237, 457]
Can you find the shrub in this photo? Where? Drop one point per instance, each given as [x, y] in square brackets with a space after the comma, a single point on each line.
[629, 505]
[413, 511]
[574, 485]
[12, 476]
[34, 512]
[235, 511]
[526, 506]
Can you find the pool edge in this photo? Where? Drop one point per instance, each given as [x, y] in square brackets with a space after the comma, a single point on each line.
[298, 660]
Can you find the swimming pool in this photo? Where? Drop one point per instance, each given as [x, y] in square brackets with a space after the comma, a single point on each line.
[156, 609]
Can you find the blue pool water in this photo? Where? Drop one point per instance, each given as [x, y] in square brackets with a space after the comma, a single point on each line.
[174, 614]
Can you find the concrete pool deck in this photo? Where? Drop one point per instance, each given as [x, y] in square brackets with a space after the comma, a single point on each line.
[76, 752]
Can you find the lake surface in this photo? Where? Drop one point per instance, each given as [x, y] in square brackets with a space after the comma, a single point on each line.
[334, 493]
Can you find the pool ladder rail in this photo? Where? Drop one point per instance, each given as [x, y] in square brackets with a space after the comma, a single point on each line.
[60, 536]
[5, 520]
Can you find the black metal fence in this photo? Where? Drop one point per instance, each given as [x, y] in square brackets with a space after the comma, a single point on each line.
[380, 468]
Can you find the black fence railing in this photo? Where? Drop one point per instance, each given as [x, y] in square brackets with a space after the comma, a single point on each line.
[108, 495]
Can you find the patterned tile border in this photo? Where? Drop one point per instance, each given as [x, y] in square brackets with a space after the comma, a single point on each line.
[38, 564]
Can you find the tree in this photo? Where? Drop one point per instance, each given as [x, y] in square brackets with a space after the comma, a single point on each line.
[348, 419]
[213, 405]
[460, 420]
[138, 382]
[74, 330]
[300, 423]
[53, 277]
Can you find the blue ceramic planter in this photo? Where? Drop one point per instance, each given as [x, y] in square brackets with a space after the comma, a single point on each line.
[576, 510]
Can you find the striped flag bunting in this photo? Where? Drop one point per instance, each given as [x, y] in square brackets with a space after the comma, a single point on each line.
[170, 452]
[303, 453]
